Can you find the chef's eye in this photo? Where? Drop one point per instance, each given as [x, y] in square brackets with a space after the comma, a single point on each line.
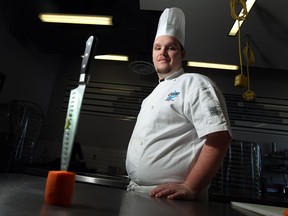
[157, 48]
[171, 48]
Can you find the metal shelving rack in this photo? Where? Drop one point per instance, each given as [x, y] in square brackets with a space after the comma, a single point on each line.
[20, 127]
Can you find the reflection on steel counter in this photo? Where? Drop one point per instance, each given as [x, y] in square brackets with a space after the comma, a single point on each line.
[105, 180]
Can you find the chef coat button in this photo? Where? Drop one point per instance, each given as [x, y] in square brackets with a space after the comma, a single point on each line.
[152, 107]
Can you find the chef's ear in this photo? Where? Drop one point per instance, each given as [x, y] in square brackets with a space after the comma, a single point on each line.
[183, 53]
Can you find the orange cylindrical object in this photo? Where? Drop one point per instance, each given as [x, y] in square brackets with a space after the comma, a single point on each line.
[59, 188]
[285, 213]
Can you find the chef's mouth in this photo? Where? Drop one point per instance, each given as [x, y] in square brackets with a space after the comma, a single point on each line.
[163, 60]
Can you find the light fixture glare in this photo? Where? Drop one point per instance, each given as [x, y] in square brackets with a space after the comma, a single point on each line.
[112, 57]
[76, 19]
[234, 29]
[212, 65]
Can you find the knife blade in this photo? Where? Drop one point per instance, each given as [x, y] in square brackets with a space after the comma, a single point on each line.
[75, 102]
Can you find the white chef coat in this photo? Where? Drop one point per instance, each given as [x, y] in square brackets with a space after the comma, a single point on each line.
[171, 128]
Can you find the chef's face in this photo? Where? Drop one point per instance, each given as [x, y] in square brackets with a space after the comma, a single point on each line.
[167, 55]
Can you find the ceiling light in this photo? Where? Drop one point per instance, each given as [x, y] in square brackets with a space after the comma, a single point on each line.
[76, 19]
[212, 65]
[235, 27]
[112, 57]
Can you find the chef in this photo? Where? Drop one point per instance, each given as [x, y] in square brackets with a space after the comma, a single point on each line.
[182, 132]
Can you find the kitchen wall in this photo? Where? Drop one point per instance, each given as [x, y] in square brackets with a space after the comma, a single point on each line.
[110, 134]
[29, 78]
[30, 74]
[43, 79]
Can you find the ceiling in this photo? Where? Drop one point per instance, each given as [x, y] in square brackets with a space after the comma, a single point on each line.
[135, 22]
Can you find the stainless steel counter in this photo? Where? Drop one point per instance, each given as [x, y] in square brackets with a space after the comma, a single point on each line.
[24, 194]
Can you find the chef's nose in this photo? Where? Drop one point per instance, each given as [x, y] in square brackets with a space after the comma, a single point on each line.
[163, 52]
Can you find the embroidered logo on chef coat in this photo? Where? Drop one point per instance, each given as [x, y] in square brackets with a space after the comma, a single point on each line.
[172, 96]
[214, 111]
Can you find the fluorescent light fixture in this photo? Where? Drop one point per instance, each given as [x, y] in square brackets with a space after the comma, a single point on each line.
[75, 19]
[112, 57]
[234, 29]
[212, 65]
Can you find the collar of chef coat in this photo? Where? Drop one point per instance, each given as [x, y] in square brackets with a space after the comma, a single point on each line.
[173, 75]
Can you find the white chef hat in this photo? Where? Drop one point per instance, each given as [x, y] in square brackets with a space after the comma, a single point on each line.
[172, 22]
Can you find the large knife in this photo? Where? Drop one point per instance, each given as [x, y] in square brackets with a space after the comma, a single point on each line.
[75, 102]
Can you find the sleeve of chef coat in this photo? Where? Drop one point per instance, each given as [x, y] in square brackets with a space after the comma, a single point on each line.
[206, 109]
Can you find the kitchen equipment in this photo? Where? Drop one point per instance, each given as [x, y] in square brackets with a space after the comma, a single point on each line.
[240, 173]
[20, 127]
[60, 184]
[261, 209]
[75, 102]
